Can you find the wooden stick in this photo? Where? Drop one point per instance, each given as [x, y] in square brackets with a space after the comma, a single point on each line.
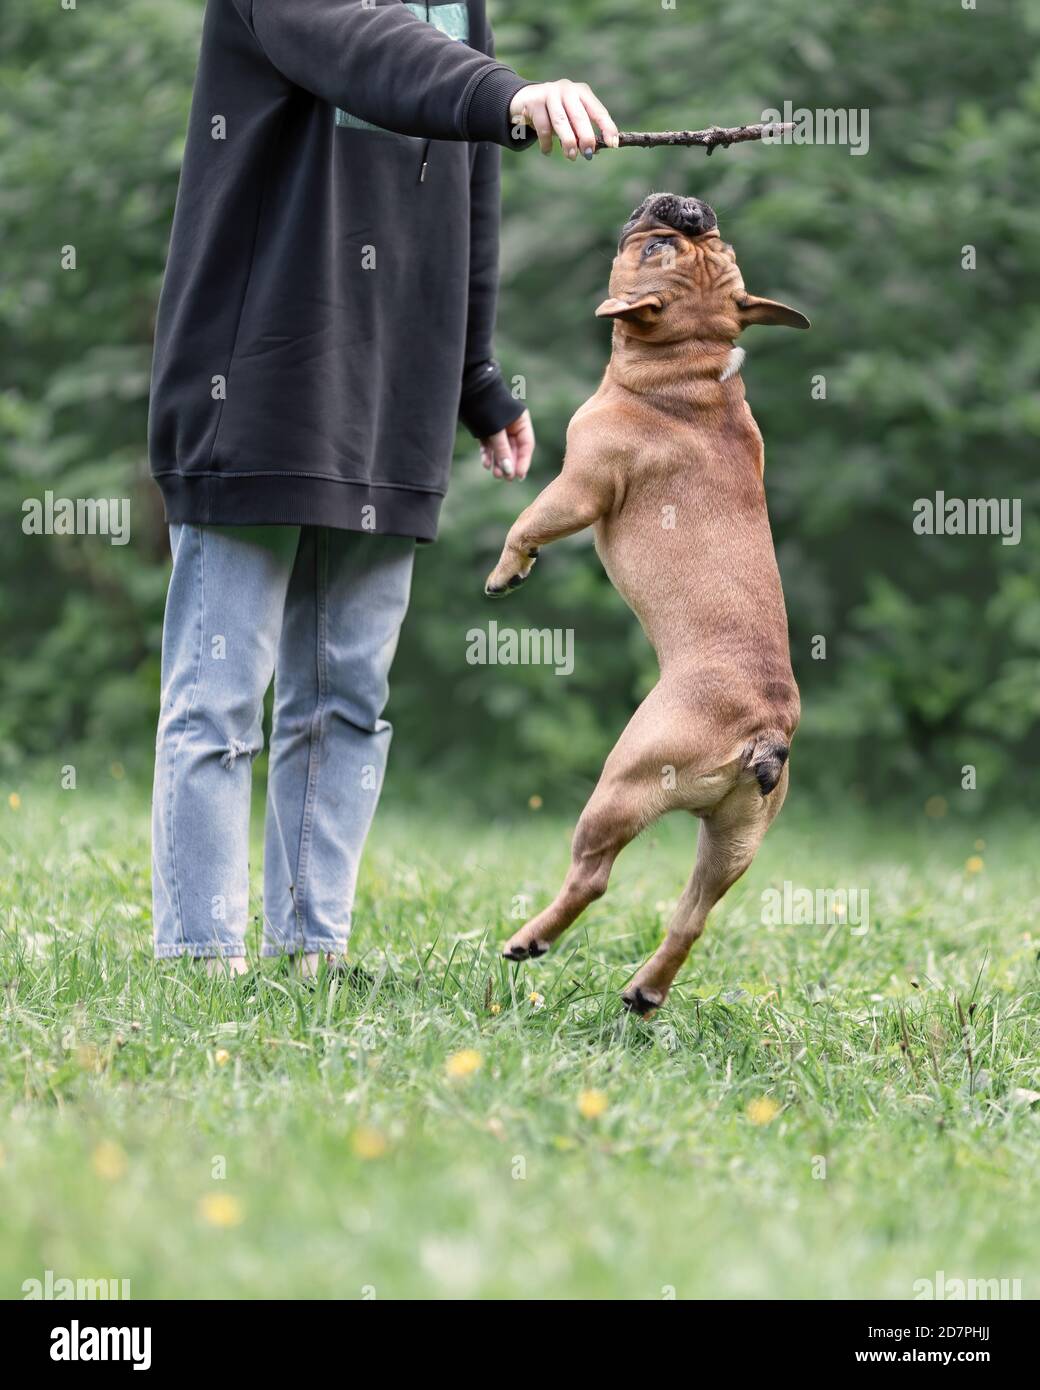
[713, 138]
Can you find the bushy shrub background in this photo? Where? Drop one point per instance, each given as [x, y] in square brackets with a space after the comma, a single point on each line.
[933, 644]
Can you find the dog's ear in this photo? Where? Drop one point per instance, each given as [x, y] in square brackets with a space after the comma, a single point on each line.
[627, 309]
[752, 309]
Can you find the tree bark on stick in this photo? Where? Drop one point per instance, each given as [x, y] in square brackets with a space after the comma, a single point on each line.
[710, 139]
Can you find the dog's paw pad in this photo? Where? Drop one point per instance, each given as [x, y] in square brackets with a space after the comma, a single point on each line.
[642, 1002]
[516, 581]
[531, 952]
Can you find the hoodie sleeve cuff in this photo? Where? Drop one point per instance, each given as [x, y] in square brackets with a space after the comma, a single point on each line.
[487, 111]
[489, 405]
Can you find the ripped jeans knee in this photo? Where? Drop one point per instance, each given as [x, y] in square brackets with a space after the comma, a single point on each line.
[238, 748]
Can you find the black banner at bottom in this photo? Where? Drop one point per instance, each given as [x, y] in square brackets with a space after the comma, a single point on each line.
[237, 1338]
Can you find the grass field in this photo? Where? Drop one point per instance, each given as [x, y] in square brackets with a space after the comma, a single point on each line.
[808, 1117]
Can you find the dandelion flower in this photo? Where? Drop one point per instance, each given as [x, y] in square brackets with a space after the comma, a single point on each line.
[222, 1056]
[762, 1111]
[109, 1161]
[222, 1210]
[465, 1063]
[368, 1143]
[592, 1104]
[536, 1000]
[974, 865]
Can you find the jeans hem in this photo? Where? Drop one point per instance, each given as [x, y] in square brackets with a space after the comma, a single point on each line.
[304, 948]
[219, 950]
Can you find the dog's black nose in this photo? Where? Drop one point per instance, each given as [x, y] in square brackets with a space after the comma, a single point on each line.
[690, 216]
[694, 213]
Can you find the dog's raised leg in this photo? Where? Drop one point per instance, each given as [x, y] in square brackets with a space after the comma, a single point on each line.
[573, 500]
[728, 841]
[610, 820]
[628, 797]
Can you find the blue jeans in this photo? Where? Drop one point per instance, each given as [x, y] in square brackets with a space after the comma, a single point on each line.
[320, 610]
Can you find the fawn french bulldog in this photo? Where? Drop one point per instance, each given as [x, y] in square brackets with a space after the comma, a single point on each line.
[665, 461]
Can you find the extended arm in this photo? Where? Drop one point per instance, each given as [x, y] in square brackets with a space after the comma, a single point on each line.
[487, 405]
[389, 67]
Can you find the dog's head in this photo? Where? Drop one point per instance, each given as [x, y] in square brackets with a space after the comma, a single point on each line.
[675, 278]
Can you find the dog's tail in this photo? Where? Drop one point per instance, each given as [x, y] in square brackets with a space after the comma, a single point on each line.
[765, 756]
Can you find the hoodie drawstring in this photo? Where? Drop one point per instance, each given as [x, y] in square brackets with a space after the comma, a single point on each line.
[425, 159]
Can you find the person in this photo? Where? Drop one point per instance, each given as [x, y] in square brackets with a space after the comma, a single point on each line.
[326, 318]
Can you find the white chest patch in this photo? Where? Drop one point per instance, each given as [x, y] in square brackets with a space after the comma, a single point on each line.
[734, 362]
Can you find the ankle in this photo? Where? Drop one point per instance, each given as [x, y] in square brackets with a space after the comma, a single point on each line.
[310, 963]
[226, 965]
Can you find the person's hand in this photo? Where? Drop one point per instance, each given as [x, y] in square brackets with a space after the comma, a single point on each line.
[564, 108]
[508, 453]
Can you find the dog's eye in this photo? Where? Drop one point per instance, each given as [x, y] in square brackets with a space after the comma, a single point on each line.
[652, 247]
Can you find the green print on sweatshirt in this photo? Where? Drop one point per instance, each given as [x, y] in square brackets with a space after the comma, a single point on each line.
[452, 20]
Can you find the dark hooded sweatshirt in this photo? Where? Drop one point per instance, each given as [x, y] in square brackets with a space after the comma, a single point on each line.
[329, 301]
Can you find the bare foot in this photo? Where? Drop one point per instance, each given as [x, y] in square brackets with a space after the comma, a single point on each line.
[310, 965]
[226, 965]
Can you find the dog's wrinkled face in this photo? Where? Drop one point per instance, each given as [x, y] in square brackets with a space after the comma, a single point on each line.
[675, 278]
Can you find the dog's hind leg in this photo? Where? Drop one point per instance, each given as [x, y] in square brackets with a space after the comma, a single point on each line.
[637, 786]
[613, 816]
[729, 838]
[628, 797]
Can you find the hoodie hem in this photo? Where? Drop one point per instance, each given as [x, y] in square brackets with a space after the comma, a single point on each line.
[215, 499]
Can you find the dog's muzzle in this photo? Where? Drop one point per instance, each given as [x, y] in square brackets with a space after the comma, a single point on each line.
[689, 216]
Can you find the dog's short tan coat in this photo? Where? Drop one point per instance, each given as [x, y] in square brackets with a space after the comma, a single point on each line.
[665, 462]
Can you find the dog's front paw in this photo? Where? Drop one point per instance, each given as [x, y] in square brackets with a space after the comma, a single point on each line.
[493, 589]
[509, 574]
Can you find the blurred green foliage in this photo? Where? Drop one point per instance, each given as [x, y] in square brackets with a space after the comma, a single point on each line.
[933, 643]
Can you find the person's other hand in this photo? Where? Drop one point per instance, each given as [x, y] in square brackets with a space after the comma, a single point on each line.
[508, 453]
[568, 110]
